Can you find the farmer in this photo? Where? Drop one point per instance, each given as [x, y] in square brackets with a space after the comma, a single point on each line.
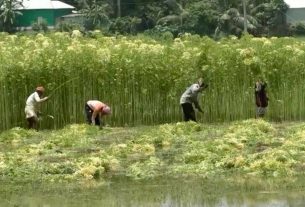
[261, 98]
[32, 107]
[190, 97]
[95, 110]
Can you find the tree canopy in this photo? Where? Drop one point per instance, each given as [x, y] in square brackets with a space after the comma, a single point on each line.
[203, 17]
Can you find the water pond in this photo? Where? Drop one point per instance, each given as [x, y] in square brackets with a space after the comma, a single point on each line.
[151, 193]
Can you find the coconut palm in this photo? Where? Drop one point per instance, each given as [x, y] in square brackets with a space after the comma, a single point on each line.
[262, 16]
[176, 14]
[232, 22]
[96, 12]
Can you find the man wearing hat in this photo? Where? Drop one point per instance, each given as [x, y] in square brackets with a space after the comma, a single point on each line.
[32, 107]
[95, 110]
[190, 97]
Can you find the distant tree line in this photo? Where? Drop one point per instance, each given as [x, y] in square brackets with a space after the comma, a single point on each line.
[204, 17]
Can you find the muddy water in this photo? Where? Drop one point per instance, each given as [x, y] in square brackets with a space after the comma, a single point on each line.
[163, 193]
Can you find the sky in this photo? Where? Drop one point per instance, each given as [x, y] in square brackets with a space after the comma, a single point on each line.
[295, 3]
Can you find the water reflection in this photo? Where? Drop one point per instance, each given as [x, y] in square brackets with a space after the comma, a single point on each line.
[145, 194]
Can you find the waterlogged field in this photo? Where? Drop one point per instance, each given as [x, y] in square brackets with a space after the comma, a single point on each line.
[81, 153]
[142, 79]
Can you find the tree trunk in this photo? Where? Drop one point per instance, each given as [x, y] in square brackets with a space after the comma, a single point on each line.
[245, 17]
[119, 8]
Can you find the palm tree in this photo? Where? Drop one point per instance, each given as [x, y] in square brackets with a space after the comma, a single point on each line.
[233, 22]
[95, 12]
[8, 13]
[176, 16]
[262, 17]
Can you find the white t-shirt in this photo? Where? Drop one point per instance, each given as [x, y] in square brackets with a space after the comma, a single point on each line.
[191, 94]
[33, 100]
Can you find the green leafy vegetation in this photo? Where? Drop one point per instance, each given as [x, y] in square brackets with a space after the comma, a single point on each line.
[249, 149]
[203, 17]
[142, 78]
[8, 14]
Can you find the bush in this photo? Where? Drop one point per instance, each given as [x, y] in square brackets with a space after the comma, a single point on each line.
[90, 25]
[39, 26]
[163, 32]
[65, 26]
[125, 25]
[300, 28]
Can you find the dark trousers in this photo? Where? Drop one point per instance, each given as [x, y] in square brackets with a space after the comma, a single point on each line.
[32, 123]
[89, 112]
[188, 112]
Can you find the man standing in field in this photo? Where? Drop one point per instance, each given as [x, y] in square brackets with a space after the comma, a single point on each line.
[95, 110]
[261, 99]
[190, 97]
[32, 107]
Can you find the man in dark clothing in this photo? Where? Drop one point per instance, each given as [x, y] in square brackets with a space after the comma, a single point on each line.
[261, 98]
[190, 97]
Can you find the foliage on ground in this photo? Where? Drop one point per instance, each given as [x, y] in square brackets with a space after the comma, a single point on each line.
[250, 148]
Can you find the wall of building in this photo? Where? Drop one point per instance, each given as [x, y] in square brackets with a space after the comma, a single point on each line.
[59, 13]
[73, 19]
[295, 15]
[50, 15]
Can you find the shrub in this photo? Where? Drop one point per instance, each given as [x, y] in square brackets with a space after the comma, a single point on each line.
[64, 26]
[41, 25]
[300, 28]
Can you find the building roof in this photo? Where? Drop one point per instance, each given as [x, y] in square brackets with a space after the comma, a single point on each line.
[295, 3]
[73, 15]
[44, 4]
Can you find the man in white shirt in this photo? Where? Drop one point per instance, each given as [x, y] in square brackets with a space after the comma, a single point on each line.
[190, 97]
[32, 107]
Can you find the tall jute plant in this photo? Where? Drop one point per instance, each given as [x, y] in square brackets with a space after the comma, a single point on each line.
[142, 79]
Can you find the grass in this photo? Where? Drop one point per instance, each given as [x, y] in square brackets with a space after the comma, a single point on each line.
[300, 38]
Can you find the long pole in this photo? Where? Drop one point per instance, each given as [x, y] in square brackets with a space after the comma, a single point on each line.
[61, 85]
[245, 17]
